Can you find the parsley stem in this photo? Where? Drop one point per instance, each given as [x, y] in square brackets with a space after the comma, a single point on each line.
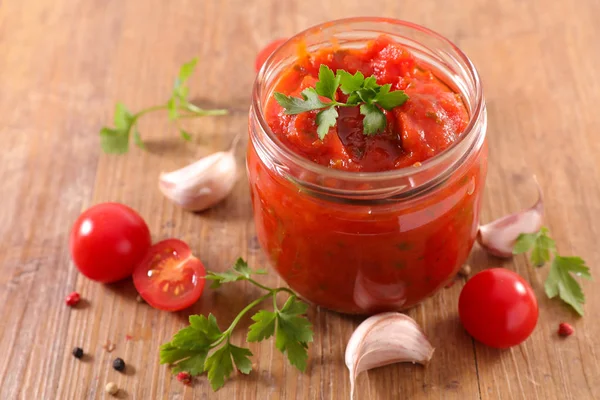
[273, 291]
[200, 111]
[196, 111]
[149, 110]
[242, 313]
[255, 283]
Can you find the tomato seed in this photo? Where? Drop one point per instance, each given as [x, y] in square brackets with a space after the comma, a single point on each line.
[72, 299]
[565, 329]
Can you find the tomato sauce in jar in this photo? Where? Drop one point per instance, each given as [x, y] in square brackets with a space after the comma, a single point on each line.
[362, 224]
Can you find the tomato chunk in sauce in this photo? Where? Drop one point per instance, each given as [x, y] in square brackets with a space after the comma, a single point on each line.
[430, 121]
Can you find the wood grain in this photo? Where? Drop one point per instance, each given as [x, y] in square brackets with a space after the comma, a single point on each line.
[65, 63]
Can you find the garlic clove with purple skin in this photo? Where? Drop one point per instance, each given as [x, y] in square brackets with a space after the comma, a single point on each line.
[384, 339]
[499, 236]
[203, 183]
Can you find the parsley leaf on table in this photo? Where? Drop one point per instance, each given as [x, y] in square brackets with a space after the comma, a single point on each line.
[116, 140]
[189, 347]
[239, 272]
[292, 330]
[263, 326]
[541, 243]
[202, 347]
[219, 365]
[361, 91]
[560, 281]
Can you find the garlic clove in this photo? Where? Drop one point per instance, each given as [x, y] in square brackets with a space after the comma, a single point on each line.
[499, 236]
[203, 183]
[384, 339]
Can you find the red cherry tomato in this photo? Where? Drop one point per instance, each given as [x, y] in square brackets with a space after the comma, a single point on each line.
[498, 308]
[107, 241]
[266, 52]
[169, 277]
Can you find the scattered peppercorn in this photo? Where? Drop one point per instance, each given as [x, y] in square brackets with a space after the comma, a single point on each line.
[77, 352]
[565, 329]
[111, 388]
[184, 377]
[465, 270]
[119, 364]
[72, 299]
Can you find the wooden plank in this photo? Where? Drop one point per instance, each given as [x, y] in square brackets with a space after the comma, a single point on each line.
[65, 64]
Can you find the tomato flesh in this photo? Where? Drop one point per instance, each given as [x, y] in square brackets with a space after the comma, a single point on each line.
[107, 241]
[169, 277]
[498, 308]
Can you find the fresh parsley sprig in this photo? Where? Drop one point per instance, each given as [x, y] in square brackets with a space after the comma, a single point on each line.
[361, 91]
[560, 281]
[116, 140]
[203, 347]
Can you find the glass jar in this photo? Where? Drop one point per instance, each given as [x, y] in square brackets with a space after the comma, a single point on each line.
[365, 242]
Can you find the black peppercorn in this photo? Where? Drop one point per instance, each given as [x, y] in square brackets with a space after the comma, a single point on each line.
[119, 364]
[77, 352]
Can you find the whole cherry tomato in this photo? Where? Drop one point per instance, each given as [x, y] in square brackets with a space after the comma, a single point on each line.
[169, 277]
[498, 308]
[107, 241]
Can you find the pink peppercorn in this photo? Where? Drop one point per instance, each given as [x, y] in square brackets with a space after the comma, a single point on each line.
[565, 329]
[184, 377]
[72, 299]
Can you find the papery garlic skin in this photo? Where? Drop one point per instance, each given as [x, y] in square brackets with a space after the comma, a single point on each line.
[202, 184]
[499, 236]
[384, 339]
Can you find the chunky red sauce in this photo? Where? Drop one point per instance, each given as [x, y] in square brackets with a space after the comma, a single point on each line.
[430, 121]
[367, 258]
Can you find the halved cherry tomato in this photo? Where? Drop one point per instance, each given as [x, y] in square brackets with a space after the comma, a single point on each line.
[498, 308]
[266, 52]
[169, 277]
[107, 241]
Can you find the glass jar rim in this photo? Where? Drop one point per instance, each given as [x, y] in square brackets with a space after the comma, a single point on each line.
[257, 109]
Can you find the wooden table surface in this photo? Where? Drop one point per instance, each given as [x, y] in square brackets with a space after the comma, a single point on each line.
[64, 64]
